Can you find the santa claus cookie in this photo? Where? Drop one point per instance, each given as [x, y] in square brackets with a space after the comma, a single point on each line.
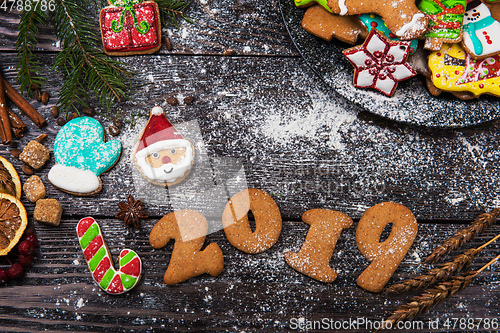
[82, 156]
[162, 155]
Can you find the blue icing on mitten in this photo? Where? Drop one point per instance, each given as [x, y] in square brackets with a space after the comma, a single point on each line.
[81, 156]
[80, 144]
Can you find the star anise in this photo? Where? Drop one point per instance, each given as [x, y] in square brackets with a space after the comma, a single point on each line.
[131, 211]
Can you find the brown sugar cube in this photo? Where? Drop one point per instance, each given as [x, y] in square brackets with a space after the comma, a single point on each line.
[35, 154]
[48, 211]
[34, 189]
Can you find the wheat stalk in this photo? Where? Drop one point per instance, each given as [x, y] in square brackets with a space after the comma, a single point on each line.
[435, 275]
[467, 234]
[432, 297]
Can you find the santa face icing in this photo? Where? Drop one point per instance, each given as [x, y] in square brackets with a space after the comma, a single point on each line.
[163, 155]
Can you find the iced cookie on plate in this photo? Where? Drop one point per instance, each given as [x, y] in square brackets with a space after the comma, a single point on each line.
[82, 156]
[454, 70]
[162, 155]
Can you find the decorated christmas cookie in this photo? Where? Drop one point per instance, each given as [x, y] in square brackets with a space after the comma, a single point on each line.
[82, 156]
[130, 27]
[99, 260]
[163, 155]
[494, 10]
[401, 16]
[323, 24]
[454, 70]
[380, 63]
[307, 3]
[374, 21]
[481, 32]
[445, 22]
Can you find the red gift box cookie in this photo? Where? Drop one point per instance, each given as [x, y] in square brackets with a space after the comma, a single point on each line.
[130, 27]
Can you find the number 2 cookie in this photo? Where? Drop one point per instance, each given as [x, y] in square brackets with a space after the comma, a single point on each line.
[162, 155]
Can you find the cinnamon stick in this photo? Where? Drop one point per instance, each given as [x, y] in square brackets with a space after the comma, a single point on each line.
[18, 126]
[4, 116]
[22, 104]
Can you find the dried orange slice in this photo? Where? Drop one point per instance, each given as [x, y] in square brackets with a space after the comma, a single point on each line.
[13, 221]
[9, 179]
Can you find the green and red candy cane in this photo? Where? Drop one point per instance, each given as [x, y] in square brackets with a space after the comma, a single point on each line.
[99, 260]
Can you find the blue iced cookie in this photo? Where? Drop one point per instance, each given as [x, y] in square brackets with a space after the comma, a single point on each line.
[82, 156]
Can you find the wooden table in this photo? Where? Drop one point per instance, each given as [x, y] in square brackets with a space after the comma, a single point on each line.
[265, 121]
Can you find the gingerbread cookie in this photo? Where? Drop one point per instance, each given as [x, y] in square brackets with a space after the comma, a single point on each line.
[323, 24]
[455, 70]
[402, 17]
[445, 22]
[372, 21]
[100, 263]
[162, 155]
[385, 256]
[481, 32]
[380, 63]
[82, 156]
[314, 257]
[267, 221]
[494, 10]
[188, 228]
[130, 27]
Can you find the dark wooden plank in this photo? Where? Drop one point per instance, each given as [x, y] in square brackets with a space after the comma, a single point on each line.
[247, 27]
[253, 293]
[276, 124]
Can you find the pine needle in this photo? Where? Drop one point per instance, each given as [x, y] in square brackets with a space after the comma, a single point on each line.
[29, 67]
[171, 10]
[467, 234]
[87, 69]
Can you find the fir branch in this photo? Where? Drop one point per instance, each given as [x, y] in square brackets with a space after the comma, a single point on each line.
[87, 69]
[29, 66]
[172, 10]
[480, 224]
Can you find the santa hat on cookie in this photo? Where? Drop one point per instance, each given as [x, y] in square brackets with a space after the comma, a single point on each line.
[159, 134]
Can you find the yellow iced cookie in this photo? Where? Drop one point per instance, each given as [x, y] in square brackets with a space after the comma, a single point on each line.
[454, 70]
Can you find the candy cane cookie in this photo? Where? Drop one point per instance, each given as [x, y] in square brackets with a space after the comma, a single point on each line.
[99, 260]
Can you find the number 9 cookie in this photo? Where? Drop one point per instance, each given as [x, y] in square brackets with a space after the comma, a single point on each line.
[385, 256]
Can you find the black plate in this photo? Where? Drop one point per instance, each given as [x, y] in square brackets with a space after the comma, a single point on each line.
[412, 103]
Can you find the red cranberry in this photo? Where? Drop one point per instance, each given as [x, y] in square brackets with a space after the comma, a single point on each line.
[25, 260]
[32, 238]
[3, 276]
[15, 271]
[26, 247]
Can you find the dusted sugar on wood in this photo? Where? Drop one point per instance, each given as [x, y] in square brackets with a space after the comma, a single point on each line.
[35, 154]
[48, 211]
[34, 189]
